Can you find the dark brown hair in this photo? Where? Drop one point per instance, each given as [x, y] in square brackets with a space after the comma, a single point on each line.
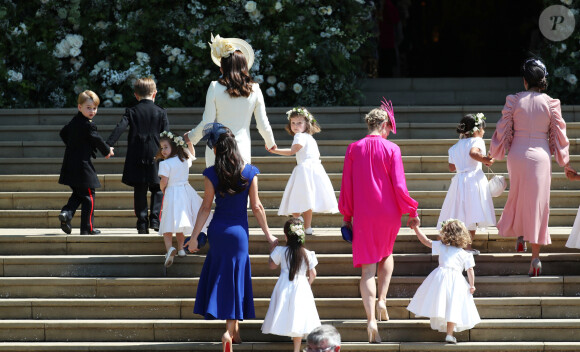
[295, 251]
[535, 74]
[466, 125]
[175, 150]
[312, 127]
[235, 76]
[229, 165]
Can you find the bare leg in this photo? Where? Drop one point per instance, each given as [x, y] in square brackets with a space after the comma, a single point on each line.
[180, 239]
[296, 215]
[368, 290]
[384, 275]
[236, 337]
[227, 336]
[307, 215]
[450, 327]
[168, 239]
[297, 343]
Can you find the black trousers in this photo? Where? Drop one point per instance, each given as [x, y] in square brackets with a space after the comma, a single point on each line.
[85, 197]
[140, 204]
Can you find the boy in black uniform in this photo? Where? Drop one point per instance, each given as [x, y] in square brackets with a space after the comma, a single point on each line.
[146, 121]
[82, 141]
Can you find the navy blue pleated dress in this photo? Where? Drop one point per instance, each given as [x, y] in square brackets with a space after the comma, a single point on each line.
[225, 284]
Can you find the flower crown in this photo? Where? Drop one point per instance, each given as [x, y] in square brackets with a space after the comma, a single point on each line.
[298, 230]
[178, 140]
[221, 47]
[302, 112]
[479, 118]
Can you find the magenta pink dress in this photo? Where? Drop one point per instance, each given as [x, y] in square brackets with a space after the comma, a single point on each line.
[374, 196]
[530, 130]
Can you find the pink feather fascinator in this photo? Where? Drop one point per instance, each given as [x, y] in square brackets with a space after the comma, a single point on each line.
[388, 107]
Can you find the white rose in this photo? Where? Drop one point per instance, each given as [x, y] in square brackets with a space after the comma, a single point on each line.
[281, 86]
[74, 52]
[297, 88]
[572, 79]
[171, 58]
[74, 40]
[271, 92]
[259, 79]
[107, 103]
[329, 10]
[118, 99]
[567, 2]
[250, 6]
[142, 58]
[206, 73]
[109, 93]
[313, 79]
[172, 94]
[175, 51]
[103, 64]
[278, 6]
[271, 79]
[77, 65]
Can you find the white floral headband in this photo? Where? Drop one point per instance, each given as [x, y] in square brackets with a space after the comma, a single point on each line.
[302, 112]
[479, 119]
[178, 140]
[298, 230]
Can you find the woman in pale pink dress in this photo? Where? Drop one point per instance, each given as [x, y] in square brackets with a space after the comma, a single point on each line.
[373, 197]
[530, 130]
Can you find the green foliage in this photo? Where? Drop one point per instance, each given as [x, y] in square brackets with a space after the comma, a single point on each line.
[563, 59]
[307, 51]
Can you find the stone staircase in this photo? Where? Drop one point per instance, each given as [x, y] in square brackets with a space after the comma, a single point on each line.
[111, 292]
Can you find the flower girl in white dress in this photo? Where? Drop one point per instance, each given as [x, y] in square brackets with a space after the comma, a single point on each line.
[309, 188]
[292, 311]
[468, 198]
[445, 297]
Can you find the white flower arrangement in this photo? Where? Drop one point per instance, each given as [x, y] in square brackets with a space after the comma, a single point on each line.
[14, 76]
[178, 140]
[271, 92]
[298, 230]
[250, 6]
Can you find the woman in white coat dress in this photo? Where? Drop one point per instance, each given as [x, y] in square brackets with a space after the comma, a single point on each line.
[233, 98]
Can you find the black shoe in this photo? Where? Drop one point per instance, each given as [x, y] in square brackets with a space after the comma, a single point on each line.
[65, 222]
[142, 230]
[154, 225]
[94, 232]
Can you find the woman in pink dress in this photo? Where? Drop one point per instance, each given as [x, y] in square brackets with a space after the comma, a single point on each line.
[373, 197]
[530, 129]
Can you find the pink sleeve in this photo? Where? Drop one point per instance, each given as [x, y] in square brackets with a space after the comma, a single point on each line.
[559, 144]
[504, 130]
[346, 199]
[407, 205]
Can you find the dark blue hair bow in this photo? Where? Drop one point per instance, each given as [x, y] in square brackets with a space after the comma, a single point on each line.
[211, 133]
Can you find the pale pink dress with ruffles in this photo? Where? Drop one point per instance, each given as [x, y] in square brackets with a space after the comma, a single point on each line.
[374, 195]
[530, 130]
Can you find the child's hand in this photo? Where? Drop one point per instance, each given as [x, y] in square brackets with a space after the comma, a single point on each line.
[413, 222]
[273, 241]
[186, 137]
[191, 246]
[488, 160]
[271, 150]
[472, 289]
[110, 153]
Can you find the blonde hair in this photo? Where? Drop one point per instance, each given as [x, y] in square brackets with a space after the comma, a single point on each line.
[312, 126]
[88, 95]
[375, 118]
[454, 233]
[144, 87]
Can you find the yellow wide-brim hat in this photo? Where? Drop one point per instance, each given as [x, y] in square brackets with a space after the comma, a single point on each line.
[223, 47]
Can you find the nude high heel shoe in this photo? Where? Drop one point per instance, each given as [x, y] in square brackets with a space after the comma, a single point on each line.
[382, 310]
[227, 342]
[373, 332]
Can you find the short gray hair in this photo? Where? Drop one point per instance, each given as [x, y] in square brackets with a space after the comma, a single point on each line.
[324, 332]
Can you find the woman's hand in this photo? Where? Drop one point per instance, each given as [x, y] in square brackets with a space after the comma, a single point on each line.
[272, 240]
[186, 137]
[571, 174]
[472, 289]
[192, 244]
[413, 222]
[347, 224]
[488, 160]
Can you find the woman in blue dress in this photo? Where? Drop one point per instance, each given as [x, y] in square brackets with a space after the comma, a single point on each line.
[225, 284]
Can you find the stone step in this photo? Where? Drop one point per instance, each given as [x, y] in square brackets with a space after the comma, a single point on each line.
[268, 182]
[328, 265]
[409, 147]
[328, 308]
[19, 241]
[123, 200]
[525, 346]
[266, 164]
[323, 287]
[341, 131]
[173, 330]
[126, 218]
